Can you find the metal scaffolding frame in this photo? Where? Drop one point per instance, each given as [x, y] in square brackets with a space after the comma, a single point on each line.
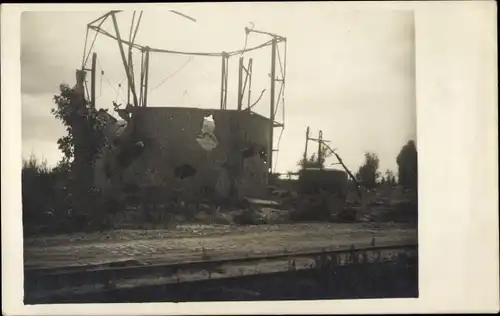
[140, 98]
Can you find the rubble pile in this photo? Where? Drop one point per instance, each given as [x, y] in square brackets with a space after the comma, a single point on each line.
[384, 208]
[280, 206]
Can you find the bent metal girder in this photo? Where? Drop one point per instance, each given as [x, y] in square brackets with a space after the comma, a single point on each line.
[141, 100]
[96, 24]
[97, 28]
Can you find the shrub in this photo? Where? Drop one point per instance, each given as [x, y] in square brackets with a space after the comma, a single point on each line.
[39, 198]
[47, 202]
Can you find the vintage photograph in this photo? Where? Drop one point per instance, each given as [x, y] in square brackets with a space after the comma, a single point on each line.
[219, 152]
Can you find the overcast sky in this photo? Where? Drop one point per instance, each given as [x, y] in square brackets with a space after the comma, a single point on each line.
[351, 74]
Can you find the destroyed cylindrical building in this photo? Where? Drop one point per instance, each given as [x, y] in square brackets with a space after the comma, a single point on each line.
[177, 150]
[192, 152]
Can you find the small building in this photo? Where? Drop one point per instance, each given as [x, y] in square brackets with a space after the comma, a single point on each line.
[312, 180]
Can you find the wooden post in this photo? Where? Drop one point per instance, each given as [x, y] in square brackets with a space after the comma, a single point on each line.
[250, 63]
[320, 142]
[305, 150]
[92, 84]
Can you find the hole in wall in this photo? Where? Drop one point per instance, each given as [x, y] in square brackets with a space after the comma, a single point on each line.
[129, 152]
[263, 154]
[206, 138]
[248, 152]
[184, 171]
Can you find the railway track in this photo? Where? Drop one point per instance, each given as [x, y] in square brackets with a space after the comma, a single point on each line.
[47, 280]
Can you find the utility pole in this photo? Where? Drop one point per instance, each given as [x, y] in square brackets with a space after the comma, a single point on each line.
[250, 63]
[305, 150]
[320, 153]
[321, 143]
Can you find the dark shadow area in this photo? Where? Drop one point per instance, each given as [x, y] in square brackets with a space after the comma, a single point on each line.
[184, 171]
[355, 281]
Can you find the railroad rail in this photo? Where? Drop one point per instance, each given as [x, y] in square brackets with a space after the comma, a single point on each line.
[47, 279]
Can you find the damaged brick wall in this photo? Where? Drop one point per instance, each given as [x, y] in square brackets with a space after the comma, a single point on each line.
[174, 158]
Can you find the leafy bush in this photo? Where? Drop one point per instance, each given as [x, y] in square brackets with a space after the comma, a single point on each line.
[64, 198]
[47, 201]
[39, 198]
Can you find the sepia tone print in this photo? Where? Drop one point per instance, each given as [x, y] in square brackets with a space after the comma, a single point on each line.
[219, 152]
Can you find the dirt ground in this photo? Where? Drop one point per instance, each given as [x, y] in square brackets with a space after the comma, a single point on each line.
[202, 242]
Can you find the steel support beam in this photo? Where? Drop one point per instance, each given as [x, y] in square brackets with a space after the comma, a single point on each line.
[146, 77]
[124, 59]
[240, 83]
[271, 115]
[92, 83]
